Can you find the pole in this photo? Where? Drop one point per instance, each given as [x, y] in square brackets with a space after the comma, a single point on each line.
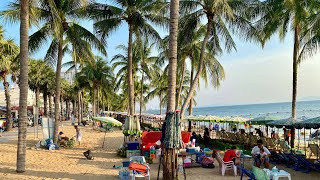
[304, 137]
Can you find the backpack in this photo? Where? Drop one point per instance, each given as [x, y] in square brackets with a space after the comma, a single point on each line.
[88, 154]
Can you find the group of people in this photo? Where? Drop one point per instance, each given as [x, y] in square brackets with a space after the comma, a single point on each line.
[260, 153]
[63, 139]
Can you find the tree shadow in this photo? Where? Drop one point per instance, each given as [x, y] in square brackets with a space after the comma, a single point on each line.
[57, 175]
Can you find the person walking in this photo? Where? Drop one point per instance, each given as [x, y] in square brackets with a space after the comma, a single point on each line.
[78, 135]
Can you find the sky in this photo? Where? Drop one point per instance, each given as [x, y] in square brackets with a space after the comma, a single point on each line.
[253, 75]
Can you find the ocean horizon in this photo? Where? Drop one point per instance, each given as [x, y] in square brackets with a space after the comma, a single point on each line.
[307, 109]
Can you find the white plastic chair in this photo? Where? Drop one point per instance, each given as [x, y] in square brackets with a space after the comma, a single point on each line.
[141, 160]
[223, 166]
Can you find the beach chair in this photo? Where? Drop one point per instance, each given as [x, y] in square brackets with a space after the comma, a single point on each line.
[264, 141]
[271, 144]
[223, 166]
[248, 173]
[307, 164]
[233, 137]
[315, 150]
[283, 146]
[140, 160]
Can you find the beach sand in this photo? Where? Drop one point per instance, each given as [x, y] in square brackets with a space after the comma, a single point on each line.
[71, 164]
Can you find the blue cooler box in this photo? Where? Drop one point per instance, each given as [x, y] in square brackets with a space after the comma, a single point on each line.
[133, 146]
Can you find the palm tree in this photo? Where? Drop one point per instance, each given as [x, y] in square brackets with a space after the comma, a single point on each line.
[169, 152]
[219, 15]
[8, 52]
[46, 87]
[58, 23]
[96, 75]
[137, 14]
[23, 83]
[279, 16]
[36, 79]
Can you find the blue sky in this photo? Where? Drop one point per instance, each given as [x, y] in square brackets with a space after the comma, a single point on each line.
[253, 74]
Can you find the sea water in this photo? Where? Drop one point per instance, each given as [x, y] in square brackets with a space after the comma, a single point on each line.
[306, 109]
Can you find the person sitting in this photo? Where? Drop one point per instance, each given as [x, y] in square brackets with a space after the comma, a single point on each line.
[62, 139]
[256, 154]
[194, 136]
[206, 137]
[231, 155]
[263, 155]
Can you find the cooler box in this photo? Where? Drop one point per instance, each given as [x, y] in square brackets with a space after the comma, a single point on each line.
[133, 145]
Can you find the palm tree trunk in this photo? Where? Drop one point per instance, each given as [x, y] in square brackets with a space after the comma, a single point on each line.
[190, 104]
[180, 85]
[94, 102]
[294, 80]
[8, 102]
[141, 95]
[98, 99]
[73, 106]
[45, 103]
[67, 109]
[23, 85]
[61, 107]
[130, 72]
[50, 105]
[200, 68]
[82, 105]
[169, 168]
[57, 93]
[37, 108]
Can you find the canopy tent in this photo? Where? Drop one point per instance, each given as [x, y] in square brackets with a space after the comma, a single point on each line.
[309, 123]
[262, 120]
[288, 123]
[205, 119]
[108, 120]
[237, 120]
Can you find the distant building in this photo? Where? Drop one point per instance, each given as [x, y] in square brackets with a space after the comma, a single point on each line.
[69, 76]
[14, 96]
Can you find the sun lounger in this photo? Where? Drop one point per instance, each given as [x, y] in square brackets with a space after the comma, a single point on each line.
[270, 143]
[315, 150]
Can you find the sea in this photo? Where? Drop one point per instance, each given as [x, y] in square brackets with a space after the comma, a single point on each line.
[305, 109]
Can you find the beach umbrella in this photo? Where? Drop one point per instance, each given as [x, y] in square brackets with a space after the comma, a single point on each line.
[288, 123]
[237, 120]
[309, 123]
[108, 120]
[262, 120]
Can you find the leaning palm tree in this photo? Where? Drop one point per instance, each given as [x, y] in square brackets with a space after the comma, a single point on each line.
[8, 53]
[282, 15]
[138, 15]
[58, 24]
[223, 17]
[24, 52]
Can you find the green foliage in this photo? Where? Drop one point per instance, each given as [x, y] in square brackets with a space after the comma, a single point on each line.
[71, 143]
[122, 152]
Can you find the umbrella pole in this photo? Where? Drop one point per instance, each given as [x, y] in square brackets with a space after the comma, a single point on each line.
[298, 139]
[104, 138]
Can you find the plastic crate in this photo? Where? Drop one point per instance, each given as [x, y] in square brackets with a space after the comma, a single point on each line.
[131, 153]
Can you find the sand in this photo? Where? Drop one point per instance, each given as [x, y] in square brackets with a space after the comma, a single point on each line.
[70, 163]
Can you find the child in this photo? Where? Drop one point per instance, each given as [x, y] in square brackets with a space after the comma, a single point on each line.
[78, 135]
[263, 155]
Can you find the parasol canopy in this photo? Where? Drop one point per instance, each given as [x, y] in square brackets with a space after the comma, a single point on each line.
[309, 123]
[288, 123]
[262, 120]
[108, 120]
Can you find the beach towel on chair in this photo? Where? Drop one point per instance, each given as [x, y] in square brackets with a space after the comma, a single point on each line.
[138, 167]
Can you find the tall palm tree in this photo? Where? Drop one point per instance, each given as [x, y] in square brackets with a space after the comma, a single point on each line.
[58, 23]
[279, 16]
[137, 14]
[169, 171]
[223, 17]
[23, 83]
[8, 53]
